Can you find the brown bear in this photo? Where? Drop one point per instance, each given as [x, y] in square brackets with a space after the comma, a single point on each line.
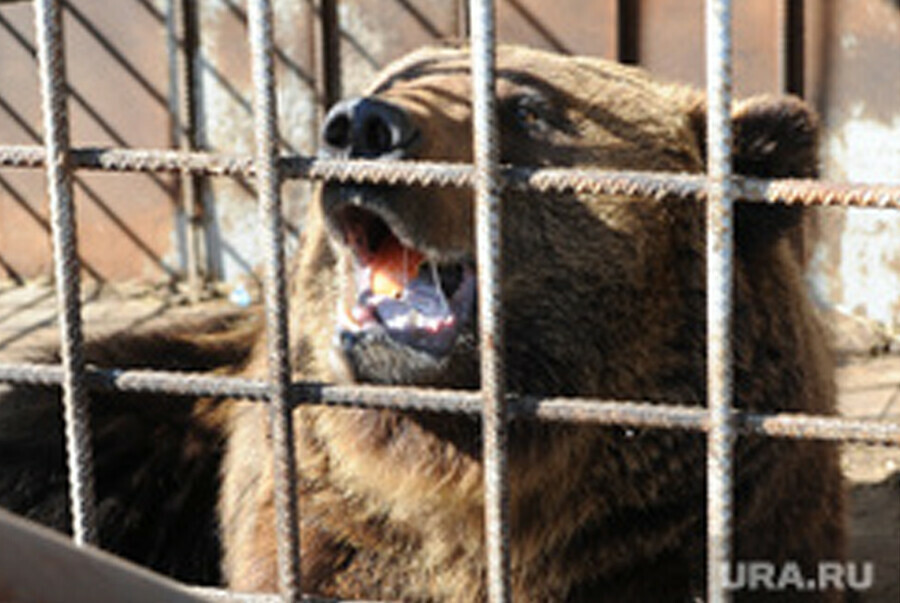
[603, 297]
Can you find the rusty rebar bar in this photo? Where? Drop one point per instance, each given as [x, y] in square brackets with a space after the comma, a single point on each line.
[658, 186]
[638, 414]
[721, 196]
[265, 118]
[487, 185]
[51, 64]
[218, 595]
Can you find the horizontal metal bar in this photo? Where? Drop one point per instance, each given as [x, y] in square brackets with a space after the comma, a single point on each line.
[133, 160]
[655, 185]
[218, 595]
[818, 193]
[162, 382]
[568, 410]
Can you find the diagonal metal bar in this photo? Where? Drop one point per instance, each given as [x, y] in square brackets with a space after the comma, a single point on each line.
[487, 185]
[48, 23]
[719, 275]
[265, 116]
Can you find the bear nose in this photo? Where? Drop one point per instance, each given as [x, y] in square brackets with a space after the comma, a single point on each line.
[367, 128]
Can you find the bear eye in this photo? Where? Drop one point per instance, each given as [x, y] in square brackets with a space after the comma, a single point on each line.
[526, 115]
[529, 113]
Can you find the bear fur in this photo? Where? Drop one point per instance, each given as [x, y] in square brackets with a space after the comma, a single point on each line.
[603, 297]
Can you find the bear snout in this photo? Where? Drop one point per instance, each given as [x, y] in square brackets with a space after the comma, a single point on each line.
[367, 128]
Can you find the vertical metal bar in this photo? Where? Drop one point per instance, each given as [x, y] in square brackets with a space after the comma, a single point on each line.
[627, 31]
[183, 19]
[719, 265]
[791, 51]
[488, 239]
[327, 55]
[265, 118]
[461, 20]
[48, 23]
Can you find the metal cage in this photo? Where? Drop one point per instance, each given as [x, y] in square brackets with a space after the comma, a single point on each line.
[718, 420]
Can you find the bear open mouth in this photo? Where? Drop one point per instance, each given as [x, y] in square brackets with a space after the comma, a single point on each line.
[397, 290]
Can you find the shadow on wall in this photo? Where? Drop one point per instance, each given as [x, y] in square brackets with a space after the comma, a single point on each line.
[120, 208]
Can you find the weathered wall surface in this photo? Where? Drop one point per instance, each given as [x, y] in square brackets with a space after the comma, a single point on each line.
[123, 76]
[856, 261]
[117, 68]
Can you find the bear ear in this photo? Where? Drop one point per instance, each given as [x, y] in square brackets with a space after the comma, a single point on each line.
[774, 137]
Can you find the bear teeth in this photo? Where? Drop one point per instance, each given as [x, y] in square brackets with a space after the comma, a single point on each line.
[427, 314]
[398, 292]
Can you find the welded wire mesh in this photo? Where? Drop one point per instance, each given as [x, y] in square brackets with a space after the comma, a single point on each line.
[719, 188]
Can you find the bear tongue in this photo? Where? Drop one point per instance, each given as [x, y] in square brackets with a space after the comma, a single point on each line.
[406, 300]
[392, 267]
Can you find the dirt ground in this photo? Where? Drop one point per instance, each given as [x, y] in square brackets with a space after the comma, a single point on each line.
[869, 386]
